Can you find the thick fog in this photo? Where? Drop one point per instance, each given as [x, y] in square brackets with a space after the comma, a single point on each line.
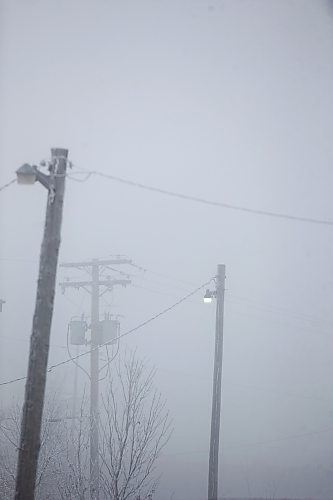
[229, 101]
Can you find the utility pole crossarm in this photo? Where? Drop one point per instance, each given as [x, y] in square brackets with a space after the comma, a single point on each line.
[108, 283]
[100, 263]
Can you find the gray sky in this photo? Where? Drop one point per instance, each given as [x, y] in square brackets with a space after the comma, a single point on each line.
[225, 100]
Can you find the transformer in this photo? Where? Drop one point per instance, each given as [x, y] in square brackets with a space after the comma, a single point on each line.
[109, 331]
[77, 330]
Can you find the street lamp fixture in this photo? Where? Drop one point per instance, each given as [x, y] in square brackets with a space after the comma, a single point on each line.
[208, 297]
[29, 174]
[26, 174]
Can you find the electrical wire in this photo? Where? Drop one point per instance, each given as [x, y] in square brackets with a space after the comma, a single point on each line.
[260, 443]
[45, 163]
[155, 292]
[281, 439]
[106, 365]
[204, 201]
[71, 357]
[13, 380]
[109, 361]
[72, 178]
[141, 325]
[170, 278]
[196, 199]
[7, 185]
[129, 332]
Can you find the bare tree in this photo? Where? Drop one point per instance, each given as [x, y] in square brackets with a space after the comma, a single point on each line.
[135, 428]
[52, 446]
[9, 432]
[74, 463]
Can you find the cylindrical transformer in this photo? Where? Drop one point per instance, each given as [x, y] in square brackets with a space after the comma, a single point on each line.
[77, 331]
[109, 331]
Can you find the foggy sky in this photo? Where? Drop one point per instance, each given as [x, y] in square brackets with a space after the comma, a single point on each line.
[225, 100]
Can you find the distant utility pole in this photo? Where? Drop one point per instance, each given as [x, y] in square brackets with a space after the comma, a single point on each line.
[41, 327]
[94, 285]
[217, 378]
[2, 302]
[74, 395]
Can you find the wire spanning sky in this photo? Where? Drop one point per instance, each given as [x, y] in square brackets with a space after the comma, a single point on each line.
[225, 100]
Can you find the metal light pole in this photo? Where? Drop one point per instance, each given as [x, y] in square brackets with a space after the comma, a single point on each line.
[41, 327]
[217, 379]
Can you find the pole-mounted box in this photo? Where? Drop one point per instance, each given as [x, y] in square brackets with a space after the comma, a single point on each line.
[109, 331]
[77, 330]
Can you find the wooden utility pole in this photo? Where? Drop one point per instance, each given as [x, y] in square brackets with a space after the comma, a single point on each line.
[217, 379]
[94, 284]
[41, 328]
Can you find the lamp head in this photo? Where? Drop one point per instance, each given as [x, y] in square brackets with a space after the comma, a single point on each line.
[26, 174]
[208, 297]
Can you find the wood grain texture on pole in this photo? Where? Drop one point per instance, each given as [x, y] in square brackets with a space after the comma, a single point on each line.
[41, 327]
[217, 382]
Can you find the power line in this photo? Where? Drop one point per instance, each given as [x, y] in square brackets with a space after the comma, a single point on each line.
[281, 439]
[108, 363]
[204, 201]
[71, 357]
[231, 446]
[13, 380]
[132, 330]
[7, 185]
[141, 325]
[196, 199]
